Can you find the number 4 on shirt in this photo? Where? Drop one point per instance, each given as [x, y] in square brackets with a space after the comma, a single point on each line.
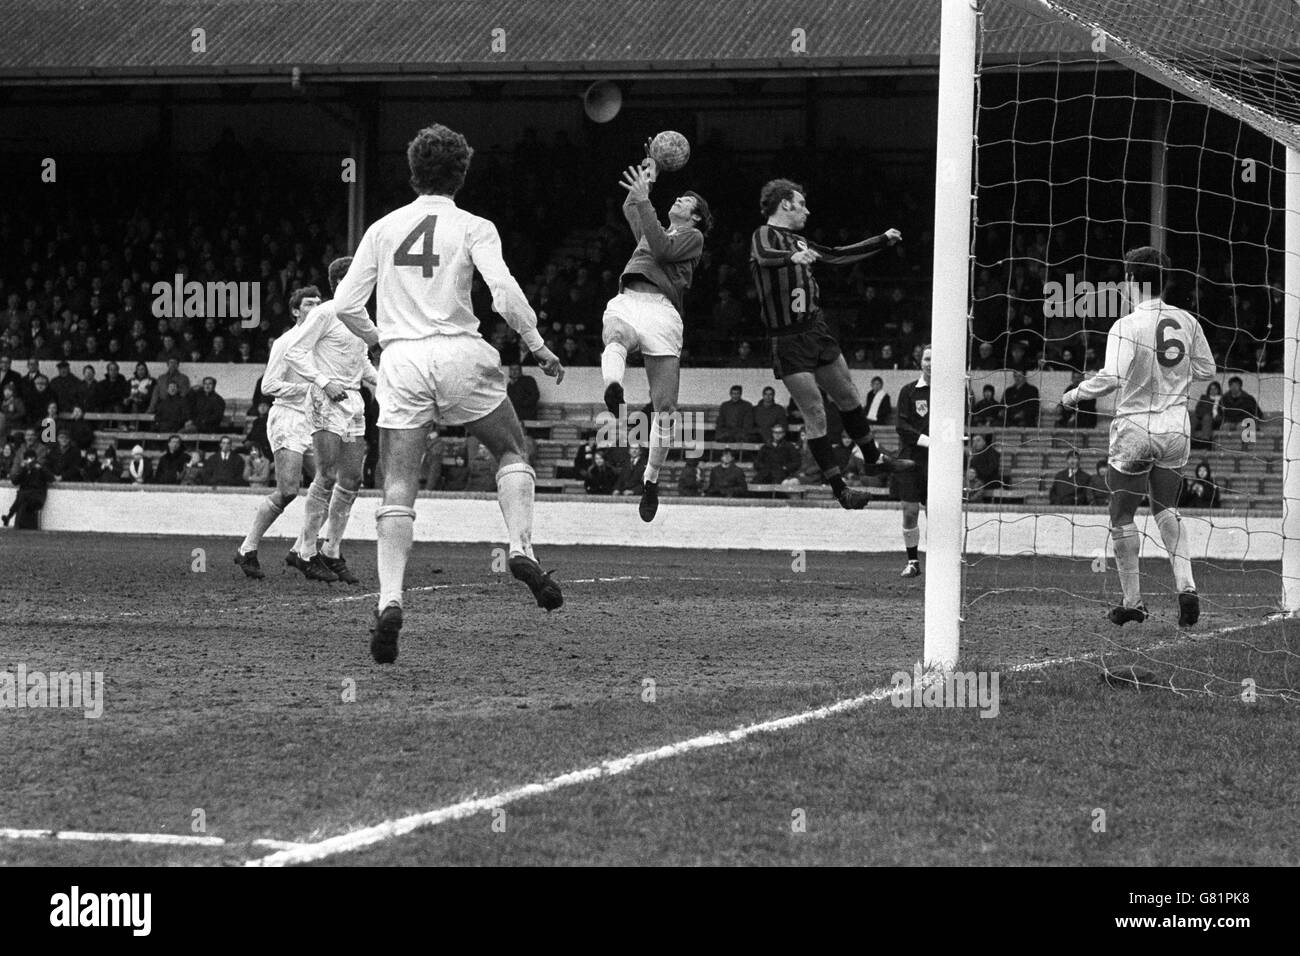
[404, 256]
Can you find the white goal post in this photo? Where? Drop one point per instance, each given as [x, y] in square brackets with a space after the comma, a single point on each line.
[951, 304]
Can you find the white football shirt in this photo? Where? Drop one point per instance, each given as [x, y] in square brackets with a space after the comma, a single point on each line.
[422, 258]
[1153, 355]
[321, 349]
[281, 382]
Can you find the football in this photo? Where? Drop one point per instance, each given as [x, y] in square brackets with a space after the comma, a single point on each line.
[670, 150]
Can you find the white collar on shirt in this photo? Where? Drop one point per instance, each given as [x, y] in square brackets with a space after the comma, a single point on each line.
[922, 382]
[430, 197]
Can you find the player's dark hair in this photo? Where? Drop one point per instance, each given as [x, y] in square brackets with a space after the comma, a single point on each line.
[1147, 265]
[439, 160]
[775, 192]
[1234, 379]
[297, 295]
[702, 214]
[337, 270]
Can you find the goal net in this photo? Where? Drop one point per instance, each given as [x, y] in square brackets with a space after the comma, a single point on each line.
[1101, 126]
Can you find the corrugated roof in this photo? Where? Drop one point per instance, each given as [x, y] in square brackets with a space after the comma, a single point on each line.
[152, 38]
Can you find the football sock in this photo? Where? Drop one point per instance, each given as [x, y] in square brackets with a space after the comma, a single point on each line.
[613, 363]
[824, 454]
[395, 527]
[661, 439]
[318, 504]
[912, 541]
[515, 496]
[859, 429]
[1127, 548]
[267, 511]
[339, 513]
[1170, 523]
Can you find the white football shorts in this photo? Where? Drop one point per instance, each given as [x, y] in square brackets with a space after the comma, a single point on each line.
[649, 318]
[1137, 443]
[345, 418]
[449, 379]
[287, 428]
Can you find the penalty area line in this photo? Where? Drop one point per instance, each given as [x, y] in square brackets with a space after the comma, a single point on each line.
[389, 829]
[152, 839]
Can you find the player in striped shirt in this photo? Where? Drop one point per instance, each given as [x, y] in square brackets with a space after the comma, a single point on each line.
[435, 366]
[336, 363]
[805, 356]
[647, 314]
[289, 435]
[1153, 355]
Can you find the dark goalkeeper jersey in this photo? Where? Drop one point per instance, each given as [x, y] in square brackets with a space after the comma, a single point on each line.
[788, 297]
[913, 419]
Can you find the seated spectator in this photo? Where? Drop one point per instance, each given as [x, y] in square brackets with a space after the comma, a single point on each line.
[473, 470]
[1200, 491]
[582, 459]
[255, 434]
[1099, 494]
[194, 470]
[973, 492]
[173, 374]
[110, 393]
[1082, 415]
[985, 360]
[573, 353]
[67, 390]
[65, 460]
[523, 393]
[1021, 359]
[1022, 402]
[171, 413]
[90, 467]
[746, 357]
[988, 412]
[435, 449]
[885, 357]
[735, 418]
[80, 431]
[207, 408]
[860, 359]
[688, 481]
[257, 470]
[726, 480]
[169, 469]
[1207, 417]
[877, 404]
[142, 386]
[601, 476]
[13, 412]
[986, 462]
[138, 470]
[1239, 405]
[849, 459]
[777, 460]
[767, 413]
[1071, 487]
[8, 376]
[632, 475]
[32, 479]
[223, 468]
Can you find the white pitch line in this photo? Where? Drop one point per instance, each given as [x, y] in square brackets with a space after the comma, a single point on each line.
[288, 852]
[368, 836]
[167, 839]
[357, 839]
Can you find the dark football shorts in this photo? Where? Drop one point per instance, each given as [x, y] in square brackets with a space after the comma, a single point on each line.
[804, 351]
[910, 486]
